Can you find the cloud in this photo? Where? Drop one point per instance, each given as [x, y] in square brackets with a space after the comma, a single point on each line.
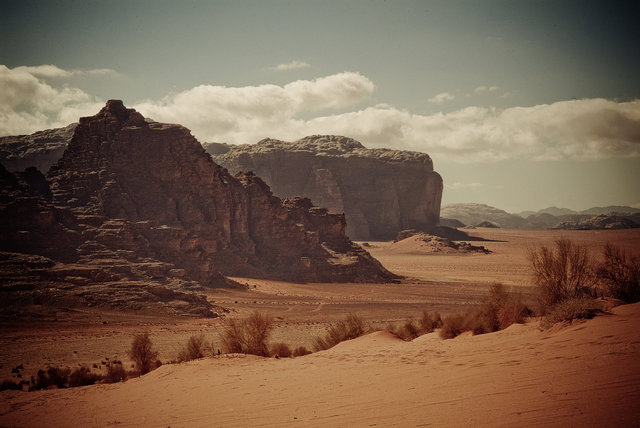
[293, 65]
[28, 103]
[577, 129]
[458, 186]
[441, 98]
[481, 89]
[250, 113]
[52, 71]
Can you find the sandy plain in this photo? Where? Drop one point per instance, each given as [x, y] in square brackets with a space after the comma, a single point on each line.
[586, 374]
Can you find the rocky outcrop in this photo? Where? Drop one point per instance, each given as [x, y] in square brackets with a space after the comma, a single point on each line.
[132, 202]
[380, 191]
[41, 149]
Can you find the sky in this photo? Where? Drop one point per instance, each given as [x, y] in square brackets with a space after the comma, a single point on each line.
[521, 105]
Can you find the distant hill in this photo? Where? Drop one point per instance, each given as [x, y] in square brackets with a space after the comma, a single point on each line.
[609, 217]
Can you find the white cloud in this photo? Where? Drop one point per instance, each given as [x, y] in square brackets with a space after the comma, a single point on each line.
[458, 186]
[28, 104]
[293, 65]
[441, 98]
[51, 71]
[577, 129]
[481, 89]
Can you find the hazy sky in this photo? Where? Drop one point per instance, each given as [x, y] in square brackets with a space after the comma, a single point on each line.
[521, 104]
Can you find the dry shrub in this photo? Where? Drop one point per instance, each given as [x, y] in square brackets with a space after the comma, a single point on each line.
[11, 385]
[54, 376]
[619, 274]
[351, 327]
[194, 349]
[115, 373]
[562, 272]
[248, 336]
[430, 322]
[300, 351]
[582, 307]
[453, 326]
[83, 376]
[498, 311]
[142, 353]
[281, 350]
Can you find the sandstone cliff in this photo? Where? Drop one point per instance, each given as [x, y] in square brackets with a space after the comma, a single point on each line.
[381, 191]
[132, 201]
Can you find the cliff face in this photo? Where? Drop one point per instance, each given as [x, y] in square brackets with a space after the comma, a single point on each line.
[41, 149]
[380, 191]
[136, 201]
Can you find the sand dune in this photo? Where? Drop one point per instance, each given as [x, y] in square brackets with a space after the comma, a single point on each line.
[586, 374]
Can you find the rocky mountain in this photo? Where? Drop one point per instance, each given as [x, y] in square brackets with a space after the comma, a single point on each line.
[41, 149]
[381, 191]
[471, 214]
[138, 209]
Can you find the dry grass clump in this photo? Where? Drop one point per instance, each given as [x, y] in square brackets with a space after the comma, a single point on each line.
[195, 348]
[562, 272]
[115, 373]
[351, 327]
[412, 329]
[300, 351]
[83, 376]
[142, 353]
[248, 336]
[11, 385]
[281, 350]
[54, 376]
[582, 307]
[498, 311]
[619, 274]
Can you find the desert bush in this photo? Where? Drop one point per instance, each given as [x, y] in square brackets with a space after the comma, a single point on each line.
[582, 307]
[83, 376]
[453, 326]
[498, 311]
[194, 349]
[619, 274]
[429, 322]
[300, 351]
[351, 327]
[57, 376]
[281, 350]
[142, 353]
[115, 373]
[562, 272]
[248, 336]
[9, 384]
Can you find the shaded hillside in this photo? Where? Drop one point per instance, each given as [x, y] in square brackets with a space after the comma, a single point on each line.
[41, 149]
[381, 191]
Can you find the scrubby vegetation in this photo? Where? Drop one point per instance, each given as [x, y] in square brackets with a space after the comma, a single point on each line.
[248, 336]
[498, 311]
[142, 353]
[411, 329]
[83, 376]
[281, 350]
[619, 274]
[351, 327]
[300, 351]
[573, 308]
[115, 373]
[195, 348]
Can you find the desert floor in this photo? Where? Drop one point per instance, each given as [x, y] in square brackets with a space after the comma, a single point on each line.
[587, 373]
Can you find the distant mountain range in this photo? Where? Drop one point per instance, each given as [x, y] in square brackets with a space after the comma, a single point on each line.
[609, 217]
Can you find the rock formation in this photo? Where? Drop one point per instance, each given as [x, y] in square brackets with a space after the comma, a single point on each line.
[132, 201]
[381, 191]
[41, 149]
